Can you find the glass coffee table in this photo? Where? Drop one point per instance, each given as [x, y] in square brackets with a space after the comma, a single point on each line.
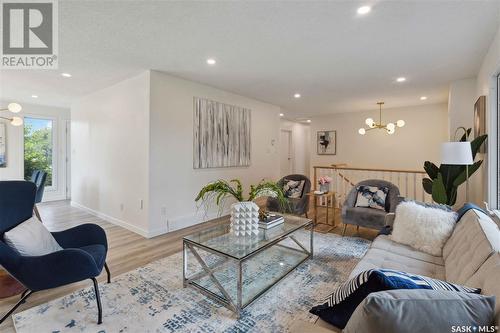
[237, 270]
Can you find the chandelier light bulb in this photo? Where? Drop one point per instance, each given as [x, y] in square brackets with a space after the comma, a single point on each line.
[14, 107]
[391, 126]
[391, 131]
[362, 131]
[369, 121]
[16, 121]
[400, 123]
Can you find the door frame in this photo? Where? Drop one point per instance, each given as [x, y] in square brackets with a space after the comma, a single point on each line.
[67, 162]
[291, 148]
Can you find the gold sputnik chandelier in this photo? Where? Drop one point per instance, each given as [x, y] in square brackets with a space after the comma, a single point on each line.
[390, 127]
[14, 108]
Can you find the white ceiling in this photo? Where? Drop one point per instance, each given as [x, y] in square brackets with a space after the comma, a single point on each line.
[336, 59]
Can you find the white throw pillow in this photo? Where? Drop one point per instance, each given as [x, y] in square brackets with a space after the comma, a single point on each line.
[423, 228]
[31, 238]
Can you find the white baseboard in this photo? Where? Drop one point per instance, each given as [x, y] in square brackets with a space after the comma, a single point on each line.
[186, 221]
[114, 220]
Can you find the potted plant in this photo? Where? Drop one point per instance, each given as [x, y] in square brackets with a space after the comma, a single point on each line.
[443, 181]
[244, 213]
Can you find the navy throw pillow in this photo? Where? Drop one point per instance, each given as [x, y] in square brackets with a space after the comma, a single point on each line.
[466, 207]
[340, 305]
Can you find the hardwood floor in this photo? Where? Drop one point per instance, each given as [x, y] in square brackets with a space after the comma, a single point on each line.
[127, 250]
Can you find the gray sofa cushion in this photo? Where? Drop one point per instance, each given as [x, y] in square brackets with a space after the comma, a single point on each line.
[383, 242]
[401, 311]
[377, 258]
[475, 238]
[487, 278]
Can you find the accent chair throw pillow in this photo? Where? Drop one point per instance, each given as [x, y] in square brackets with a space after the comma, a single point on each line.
[293, 188]
[31, 238]
[371, 197]
[424, 228]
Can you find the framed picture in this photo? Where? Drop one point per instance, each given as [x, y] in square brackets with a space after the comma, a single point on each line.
[480, 120]
[3, 145]
[327, 142]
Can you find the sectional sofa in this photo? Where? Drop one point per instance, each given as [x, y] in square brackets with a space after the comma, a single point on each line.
[471, 257]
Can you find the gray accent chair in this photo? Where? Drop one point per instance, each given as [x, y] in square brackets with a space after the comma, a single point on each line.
[369, 217]
[298, 206]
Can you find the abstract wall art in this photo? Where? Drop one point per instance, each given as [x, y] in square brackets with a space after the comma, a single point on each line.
[327, 142]
[480, 120]
[221, 135]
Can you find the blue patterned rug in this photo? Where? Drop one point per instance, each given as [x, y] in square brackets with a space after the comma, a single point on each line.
[152, 299]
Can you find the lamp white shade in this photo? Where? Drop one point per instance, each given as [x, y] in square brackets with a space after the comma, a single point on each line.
[456, 153]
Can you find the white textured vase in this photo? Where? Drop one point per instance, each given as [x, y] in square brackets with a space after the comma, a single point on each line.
[245, 218]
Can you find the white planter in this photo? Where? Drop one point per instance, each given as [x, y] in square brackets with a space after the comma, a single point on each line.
[325, 188]
[245, 218]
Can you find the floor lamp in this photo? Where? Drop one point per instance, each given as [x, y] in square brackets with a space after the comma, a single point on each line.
[458, 153]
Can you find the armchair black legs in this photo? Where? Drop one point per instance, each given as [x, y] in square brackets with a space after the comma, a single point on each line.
[107, 272]
[25, 295]
[98, 300]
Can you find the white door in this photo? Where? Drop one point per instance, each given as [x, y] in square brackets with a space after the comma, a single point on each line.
[286, 153]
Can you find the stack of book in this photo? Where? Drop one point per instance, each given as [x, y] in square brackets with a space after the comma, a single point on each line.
[271, 221]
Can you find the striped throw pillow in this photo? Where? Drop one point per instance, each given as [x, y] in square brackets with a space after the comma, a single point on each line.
[415, 281]
[340, 305]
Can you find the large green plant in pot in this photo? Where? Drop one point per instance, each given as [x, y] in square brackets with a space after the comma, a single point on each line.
[443, 181]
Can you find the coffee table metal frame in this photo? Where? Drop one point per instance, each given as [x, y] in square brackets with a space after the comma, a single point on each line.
[208, 270]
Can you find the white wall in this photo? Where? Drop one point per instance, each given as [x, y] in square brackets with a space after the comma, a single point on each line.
[110, 153]
[15, 146]
[461, 99]
[419, 140]
[173, 181]
[300, 145]
[486, 85]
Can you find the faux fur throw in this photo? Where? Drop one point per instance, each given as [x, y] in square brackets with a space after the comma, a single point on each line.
[423, 228]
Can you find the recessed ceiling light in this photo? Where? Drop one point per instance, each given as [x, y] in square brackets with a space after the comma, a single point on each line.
[66, 74]
[423, 98]
[297, 95]
[282, 114]
[364, 10]
[308, 120]
[34, 96]
[211, 61]
[401, 79]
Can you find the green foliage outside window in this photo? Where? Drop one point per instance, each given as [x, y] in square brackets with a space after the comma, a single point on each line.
[38, 148]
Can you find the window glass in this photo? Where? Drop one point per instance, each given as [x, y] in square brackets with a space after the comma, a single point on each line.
[38, 148]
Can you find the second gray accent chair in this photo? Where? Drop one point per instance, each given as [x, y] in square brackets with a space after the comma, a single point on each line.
[298, 206]
[369, 217]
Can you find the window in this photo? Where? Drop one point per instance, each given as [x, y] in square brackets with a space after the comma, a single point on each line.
[39, 148]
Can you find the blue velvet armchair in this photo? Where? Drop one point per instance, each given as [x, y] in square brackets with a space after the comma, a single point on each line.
[39, 177]
[83, 255]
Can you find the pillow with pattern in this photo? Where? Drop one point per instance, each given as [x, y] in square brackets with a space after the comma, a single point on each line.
[371, 197]
[293, 188]
[340, 305]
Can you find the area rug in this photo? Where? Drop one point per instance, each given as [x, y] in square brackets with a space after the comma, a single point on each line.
[152, 298]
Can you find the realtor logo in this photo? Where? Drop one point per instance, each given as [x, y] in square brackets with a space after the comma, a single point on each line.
[29, 34]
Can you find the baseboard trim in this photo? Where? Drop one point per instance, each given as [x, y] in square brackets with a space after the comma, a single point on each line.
[113, 220]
